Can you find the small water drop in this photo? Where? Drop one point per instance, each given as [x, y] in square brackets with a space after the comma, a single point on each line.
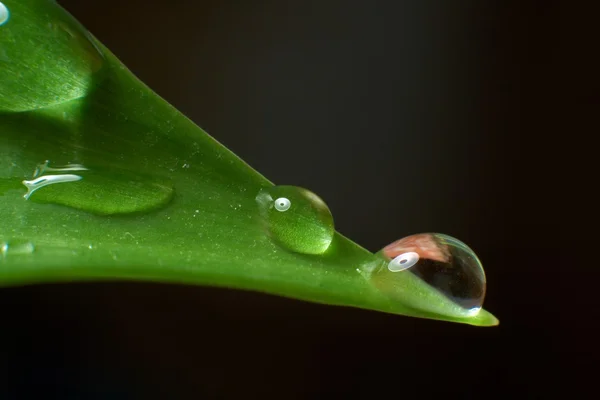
[296, 218]
[4, 14]
[432, 261]
[16, 247]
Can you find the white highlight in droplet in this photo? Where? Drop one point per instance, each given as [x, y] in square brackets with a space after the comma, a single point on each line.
[282, 204]
[473, 311]
[46, 180]
[16, 248]
[41, 168]
[4, 14]
[403, 262]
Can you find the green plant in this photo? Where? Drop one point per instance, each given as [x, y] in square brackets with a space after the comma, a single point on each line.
[101, 179]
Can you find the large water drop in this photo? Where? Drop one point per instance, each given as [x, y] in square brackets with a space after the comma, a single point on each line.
[432, 261]
[296, 218]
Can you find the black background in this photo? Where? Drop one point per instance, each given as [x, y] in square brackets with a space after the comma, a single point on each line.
[471, 118]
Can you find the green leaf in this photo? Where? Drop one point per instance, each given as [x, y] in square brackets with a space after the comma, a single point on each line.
[101, 179]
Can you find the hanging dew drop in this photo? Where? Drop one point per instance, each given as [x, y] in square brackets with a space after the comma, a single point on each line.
[444, 272]
[296, 219]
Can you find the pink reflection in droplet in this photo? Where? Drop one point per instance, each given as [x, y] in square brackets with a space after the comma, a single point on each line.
[424, 244]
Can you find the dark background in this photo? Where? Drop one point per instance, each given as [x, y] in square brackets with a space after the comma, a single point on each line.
[471, 118]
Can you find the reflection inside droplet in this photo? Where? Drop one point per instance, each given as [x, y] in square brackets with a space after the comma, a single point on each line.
[46, 180]
[418, 269]
[39, 181]
[43, 167]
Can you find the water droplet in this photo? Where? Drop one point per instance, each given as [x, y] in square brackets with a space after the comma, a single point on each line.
[98, 190]
[432, 261]
[4, 14]
[296, 218]
[47, 57]
[16, 247]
